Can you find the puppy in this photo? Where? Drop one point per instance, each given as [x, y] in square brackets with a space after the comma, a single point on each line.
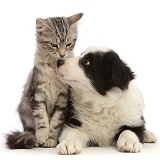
[105, 106]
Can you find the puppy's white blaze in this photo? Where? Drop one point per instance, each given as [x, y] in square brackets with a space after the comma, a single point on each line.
[96, 48]
[71, 73]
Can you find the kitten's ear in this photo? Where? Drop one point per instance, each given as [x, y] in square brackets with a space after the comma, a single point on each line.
[73, 19]
[41, 25]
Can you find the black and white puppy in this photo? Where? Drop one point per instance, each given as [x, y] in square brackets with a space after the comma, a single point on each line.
[106, 107]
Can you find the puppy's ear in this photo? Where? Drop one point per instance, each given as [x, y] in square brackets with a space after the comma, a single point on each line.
[121, 73]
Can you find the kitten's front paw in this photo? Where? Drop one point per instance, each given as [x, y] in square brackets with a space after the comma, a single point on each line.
[42, 135]
[129, 145]
[150, 137]
[50, 143]
[68, 147]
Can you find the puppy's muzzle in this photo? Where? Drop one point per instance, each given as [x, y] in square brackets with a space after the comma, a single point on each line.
[60, 62]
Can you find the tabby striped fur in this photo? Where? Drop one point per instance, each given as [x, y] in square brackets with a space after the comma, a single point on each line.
[44, 98]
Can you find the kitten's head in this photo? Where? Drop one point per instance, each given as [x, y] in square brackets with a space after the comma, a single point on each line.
[57, 35]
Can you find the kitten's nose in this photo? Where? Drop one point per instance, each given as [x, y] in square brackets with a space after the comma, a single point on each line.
[62, 55]
[60, 62]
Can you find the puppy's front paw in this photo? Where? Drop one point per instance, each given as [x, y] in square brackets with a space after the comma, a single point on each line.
[68, 147]
[129, 142]
[42, 135]
[150, 137]
[126, 145]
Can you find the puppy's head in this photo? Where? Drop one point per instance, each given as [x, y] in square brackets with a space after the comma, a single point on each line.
[98, 68]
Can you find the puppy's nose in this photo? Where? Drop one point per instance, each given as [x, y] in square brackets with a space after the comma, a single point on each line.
[60, 62]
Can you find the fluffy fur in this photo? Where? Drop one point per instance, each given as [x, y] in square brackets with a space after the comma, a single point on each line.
[106, 108]
[45, 97]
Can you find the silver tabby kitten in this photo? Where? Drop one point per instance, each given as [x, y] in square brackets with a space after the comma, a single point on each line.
[44, 97]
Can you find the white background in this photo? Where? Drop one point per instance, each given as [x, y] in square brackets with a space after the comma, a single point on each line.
[130, 27]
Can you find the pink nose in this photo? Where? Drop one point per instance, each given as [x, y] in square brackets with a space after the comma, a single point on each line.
[62, 55]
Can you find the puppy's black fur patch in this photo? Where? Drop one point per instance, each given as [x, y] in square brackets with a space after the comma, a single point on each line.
[70, 117]
[138, 130]
[92, 143]
[106, 70]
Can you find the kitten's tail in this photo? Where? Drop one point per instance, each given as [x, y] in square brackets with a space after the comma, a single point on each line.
[20, 140]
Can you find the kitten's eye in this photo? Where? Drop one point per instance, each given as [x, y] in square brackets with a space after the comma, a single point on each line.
[53, 45]
[74, 39]
[69, 44]
[86, 62]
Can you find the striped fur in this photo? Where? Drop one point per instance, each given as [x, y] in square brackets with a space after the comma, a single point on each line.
[44, 98]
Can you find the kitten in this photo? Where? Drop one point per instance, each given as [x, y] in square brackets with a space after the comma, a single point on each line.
[45, 98]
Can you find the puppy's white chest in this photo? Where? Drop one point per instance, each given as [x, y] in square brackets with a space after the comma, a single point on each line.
[101, 127]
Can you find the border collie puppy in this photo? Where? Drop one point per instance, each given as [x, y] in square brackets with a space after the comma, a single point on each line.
[105, 107]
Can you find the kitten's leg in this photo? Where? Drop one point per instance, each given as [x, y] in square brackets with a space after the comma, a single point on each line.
[41, 117]
[55, 127]
[150, 137]
[57, 120]
[129, 142]
[72, 141]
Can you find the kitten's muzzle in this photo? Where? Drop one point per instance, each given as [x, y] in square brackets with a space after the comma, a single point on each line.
[60, 62]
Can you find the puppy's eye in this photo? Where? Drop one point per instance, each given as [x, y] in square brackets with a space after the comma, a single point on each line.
[53, 45]
[69, 44]
[86, 62]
